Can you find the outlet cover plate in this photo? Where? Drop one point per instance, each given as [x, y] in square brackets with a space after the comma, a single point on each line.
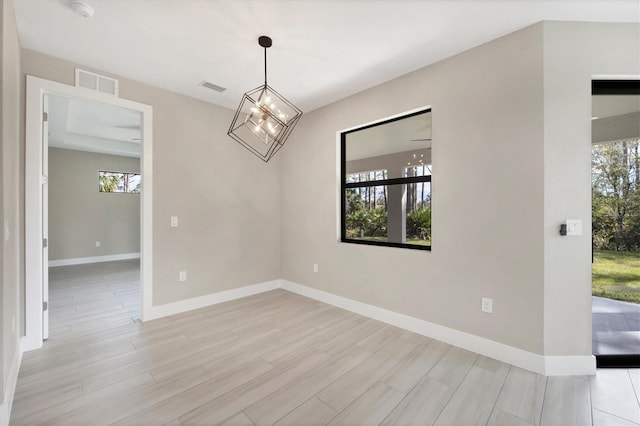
[487, 305]
[574, 227]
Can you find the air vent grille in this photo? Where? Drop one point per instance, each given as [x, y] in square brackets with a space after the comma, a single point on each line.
[99, 83]
[212, 86]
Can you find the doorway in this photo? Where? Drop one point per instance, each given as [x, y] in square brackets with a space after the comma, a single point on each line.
[36, 181]
[92, 215]
[615, 180]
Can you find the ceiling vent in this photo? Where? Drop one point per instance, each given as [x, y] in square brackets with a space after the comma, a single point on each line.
[212, 86]
[99, 83]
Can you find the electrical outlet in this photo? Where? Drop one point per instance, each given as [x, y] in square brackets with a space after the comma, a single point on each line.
[487, 305]
[174, 221]
[315, 267]
[97, 243]
[182, 276]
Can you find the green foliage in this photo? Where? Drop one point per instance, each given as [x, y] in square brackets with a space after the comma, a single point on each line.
[419, 224]
[109, 182]
[616, 275]
[367, 222]
[354, 201]
[616, 196]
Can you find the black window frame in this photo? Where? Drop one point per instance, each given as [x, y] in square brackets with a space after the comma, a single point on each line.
[384, 182]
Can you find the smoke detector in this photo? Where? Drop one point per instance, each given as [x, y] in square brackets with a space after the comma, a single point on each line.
[81, 8]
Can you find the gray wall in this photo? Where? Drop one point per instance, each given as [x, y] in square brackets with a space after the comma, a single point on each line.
[11, 274]
[80, 215]
[511, 161]
[574, 53]
[487, 209]
[227, 201]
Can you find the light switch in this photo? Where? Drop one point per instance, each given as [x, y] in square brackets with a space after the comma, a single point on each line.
[174, 221]
[574, 227]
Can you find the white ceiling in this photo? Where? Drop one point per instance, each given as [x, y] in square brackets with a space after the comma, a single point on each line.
[323, 50]
[89, 126]
[603, 106]
[407, 134]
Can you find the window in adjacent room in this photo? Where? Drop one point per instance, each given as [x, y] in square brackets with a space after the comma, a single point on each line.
[386, 183]
[119, 182]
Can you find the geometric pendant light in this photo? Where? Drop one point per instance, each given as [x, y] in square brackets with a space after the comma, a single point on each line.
[264, 120]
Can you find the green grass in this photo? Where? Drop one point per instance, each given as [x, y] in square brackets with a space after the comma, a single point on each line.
[616, 275]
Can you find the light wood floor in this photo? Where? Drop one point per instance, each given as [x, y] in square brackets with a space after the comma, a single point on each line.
[278, 358]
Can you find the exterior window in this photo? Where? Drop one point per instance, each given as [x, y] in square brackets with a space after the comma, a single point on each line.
[386, 183]
[119, 182]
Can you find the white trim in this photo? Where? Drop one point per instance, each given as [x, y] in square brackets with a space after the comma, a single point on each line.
[569, 365]
[390, 117]
[10, 390]
[35, 91]
[210, 299]
[549, 365]
[93, 259]
[615, 77]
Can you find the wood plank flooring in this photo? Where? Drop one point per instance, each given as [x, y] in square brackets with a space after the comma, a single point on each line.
[278, 358]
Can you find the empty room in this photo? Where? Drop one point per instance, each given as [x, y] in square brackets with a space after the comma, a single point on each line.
[318, 212]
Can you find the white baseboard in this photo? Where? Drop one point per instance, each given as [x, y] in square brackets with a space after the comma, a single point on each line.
[10, 390]
[569, 365]
[94, 259]
[546, 365]
[209, 299]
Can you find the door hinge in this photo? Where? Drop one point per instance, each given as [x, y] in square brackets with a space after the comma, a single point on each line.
[45, 116]
[45, 306]
[45, 242]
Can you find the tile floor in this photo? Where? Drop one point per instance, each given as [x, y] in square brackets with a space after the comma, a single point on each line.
[616, 327]
[278, 357]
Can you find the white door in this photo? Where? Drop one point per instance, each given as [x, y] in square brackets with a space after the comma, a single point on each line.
[45, 218]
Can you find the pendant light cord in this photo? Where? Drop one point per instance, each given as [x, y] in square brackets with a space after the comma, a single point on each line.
[265, 66]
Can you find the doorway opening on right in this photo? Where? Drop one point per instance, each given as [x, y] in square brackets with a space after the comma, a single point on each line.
[615, 180]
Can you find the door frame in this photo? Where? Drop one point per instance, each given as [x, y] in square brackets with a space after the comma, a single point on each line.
[612, 85]
[34, 270]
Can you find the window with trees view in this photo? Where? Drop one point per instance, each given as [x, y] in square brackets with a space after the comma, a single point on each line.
[615, 179]
[119, 182]
[386, 183]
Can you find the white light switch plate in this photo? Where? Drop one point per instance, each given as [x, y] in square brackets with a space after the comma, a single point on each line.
[574, 227]
[174, 221]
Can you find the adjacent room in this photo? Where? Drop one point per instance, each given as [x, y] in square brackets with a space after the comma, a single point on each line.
[93, 208]
[319, 212]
